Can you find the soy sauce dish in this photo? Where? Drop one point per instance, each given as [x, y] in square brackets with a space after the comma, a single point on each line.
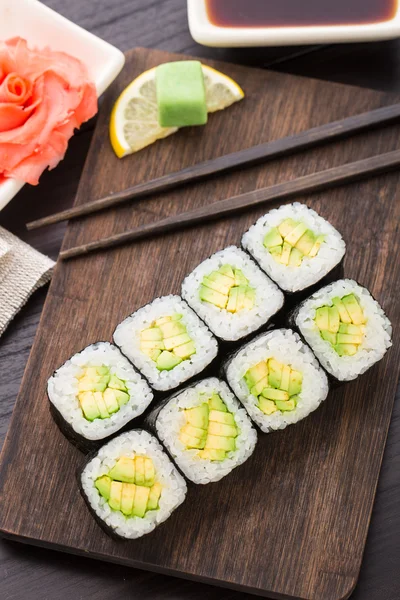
[240, 23]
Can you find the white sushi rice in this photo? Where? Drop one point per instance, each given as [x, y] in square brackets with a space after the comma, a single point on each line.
[171, 419]
[130, 444]
[226, 325]
[62, 390]
[311, 270]
[127, 337]
[376, 339]
[285, 346]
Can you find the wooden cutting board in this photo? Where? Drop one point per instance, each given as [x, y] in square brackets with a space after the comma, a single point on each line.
[292, 521]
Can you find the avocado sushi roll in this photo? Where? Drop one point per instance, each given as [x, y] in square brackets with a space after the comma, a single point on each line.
[231, 294]
[131, 486]
[167, 342]
[294, 246]
[205, 430]
[277, 378]
[345, 327]
[96, 393]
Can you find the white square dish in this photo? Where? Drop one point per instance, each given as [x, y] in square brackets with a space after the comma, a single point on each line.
[41, 26]
[205, 32]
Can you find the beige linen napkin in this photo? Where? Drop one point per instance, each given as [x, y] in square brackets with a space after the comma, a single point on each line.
[22, 271]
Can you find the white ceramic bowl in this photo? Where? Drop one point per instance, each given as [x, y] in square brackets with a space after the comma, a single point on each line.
[41, 26]
[206, 33]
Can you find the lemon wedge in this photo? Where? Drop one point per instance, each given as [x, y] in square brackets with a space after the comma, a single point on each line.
[134, 118]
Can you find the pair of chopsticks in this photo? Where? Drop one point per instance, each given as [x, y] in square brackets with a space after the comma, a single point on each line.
[319, 181]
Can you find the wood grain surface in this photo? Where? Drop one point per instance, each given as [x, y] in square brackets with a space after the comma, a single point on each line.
[292, 521]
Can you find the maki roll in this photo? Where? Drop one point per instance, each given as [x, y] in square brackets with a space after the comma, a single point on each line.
[205, 431]
[294, 246]
[131, 486]
[231, 294]
[345, 327]
[167, 342]
[96, 393]
[277, 378]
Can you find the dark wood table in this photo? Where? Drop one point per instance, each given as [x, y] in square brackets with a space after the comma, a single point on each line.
[35, 574]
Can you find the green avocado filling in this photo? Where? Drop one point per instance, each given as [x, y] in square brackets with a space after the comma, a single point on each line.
[275, 385]
[228, 289]
[100, 393]
[130, 486]
[342, 325]
[291, 241]
[167, 342]
[210, 428]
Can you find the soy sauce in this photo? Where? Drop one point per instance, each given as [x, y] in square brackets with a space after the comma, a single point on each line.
[291, 13]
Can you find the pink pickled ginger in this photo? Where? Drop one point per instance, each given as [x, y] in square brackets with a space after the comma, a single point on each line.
[44, 96]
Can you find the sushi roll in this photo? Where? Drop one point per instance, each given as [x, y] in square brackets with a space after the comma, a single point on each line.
[231, 294]
[131, 486]
[345, 327]
[205, 430]
[167, 342]
[96, 393]
[277, 378]
[294, 246]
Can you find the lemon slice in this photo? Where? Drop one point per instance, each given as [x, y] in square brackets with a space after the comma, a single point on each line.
[134, 118]
[221, 90]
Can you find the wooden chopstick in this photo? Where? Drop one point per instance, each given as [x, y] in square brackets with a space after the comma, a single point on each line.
[315, 182]
[250, 156]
